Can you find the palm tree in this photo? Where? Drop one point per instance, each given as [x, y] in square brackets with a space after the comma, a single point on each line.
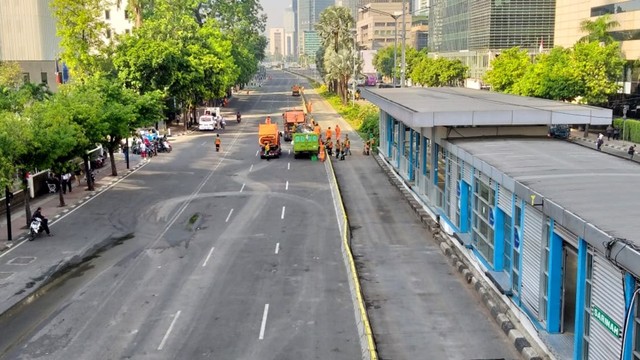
[599, 29]
[339, 66]
[334, 30]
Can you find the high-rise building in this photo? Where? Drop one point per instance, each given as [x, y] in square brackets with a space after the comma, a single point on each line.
[476, 31]
[308, 15]
[28, 37]
[276, 43]
[311, 43]
[376, 26]
[570, 13]
[289, 33]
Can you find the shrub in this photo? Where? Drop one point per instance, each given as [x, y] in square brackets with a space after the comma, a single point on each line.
[629, 129]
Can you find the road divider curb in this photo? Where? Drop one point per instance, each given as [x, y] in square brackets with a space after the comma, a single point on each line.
[492, 300]
[367, 342]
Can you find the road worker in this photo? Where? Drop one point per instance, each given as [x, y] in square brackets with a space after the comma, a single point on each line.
[218, 142]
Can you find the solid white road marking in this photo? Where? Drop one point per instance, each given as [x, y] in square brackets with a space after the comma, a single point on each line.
[277, 247]
[251, 168]
[242, 188]
[288, 166]
[208, 257]
[282, 216]
[289, 151]
[166, 336]
[264, 321]
[203, 144]
[257, 152]
[228, 216]
[286, 187]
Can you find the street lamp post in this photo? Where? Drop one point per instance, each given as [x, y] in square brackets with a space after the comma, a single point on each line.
[395, 44]
[404, 41]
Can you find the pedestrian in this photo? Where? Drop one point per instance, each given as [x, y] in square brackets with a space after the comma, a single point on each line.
[631, 151]
[609, 132]
[143, 150]
[328, 134]
[599, 143]
[347, 145]
[218, 142]
[337, 131]
[616, 133]
[66, 182]
[365, 150]
[78, 174]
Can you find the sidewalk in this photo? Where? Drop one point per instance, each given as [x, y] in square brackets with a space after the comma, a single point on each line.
[50, 202]
[614, 147]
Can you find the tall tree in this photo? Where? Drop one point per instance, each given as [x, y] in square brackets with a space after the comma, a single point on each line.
[82, 35]
[599, 30]
[507, 69]
[438, 72]
[599, 69]
[334, 30]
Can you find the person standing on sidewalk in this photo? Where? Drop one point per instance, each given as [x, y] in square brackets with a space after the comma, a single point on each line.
[337, 131]
[599, 142]
[66, 182]
[631, 151]
[347, 145]
[609, 132]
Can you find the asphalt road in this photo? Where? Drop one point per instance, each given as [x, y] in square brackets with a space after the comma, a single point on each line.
[215, 256]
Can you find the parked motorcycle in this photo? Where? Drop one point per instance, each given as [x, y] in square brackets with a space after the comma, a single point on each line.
[35, 228]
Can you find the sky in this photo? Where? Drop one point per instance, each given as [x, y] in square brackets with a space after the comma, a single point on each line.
[275, 12]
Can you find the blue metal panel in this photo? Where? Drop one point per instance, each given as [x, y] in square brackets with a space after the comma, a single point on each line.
[411, 146]
[424, 155]
[389, 135]
[465, 197]
[581, 280]
[400, 145]
[629, 288]
[554, 288]
[517, 244]
[498, 240]
[434, 162]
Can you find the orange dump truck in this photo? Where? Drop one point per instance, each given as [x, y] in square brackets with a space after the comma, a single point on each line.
[269, 140]
[292, 118]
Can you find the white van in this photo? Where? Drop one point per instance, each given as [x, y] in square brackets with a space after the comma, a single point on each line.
[215, 111]
[206, 122]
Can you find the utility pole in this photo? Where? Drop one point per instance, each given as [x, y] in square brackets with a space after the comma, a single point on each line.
[404, 41]
[8, 197]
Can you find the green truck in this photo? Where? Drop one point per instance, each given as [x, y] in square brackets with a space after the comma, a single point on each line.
[305, 142]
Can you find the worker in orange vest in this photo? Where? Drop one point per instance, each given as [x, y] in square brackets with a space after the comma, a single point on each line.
[329, 145]
[328, 132]
[337, 131]
[316, 129]
[268, 120]
[218, 142]
[321, 153]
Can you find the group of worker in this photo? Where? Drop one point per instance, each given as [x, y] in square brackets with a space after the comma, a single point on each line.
[342, 147]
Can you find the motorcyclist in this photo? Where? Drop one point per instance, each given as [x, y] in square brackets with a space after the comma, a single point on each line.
[238, 116]
[44, 222]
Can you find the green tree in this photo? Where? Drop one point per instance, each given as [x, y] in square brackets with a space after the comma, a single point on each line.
[383, 60]
[334, 30]
[551, 77]
[340, 68]
[438, 72]
[15, 134]
[598, 30]
[507, 69]
[82, 33]
[10, 74]
[599, 69]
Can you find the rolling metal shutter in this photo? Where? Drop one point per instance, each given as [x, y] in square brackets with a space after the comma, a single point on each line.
[531, 258]
[608, 295]
[467, 174]
[566, 235]
[505, 198]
